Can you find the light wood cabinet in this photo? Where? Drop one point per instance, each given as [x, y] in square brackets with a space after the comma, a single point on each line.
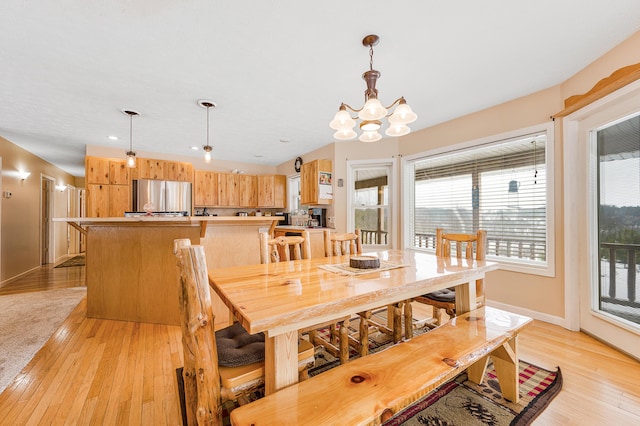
[119, 172]
[316, 183]
[97, 170]
[272, 190]
[147, 168]
[205, 189]
[247, 191]
[179, 171]
[119, 200]
[97, 200]
[228, 190]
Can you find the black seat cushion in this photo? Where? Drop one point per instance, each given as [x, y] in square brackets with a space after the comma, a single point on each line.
[237, 347]
[446, 295]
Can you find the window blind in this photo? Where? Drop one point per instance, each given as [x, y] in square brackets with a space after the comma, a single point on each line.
[499, 187]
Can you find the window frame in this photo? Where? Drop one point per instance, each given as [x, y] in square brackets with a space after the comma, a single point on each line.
[514, 265]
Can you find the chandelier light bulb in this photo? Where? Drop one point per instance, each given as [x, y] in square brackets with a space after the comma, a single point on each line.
[397, 130]
[403, 115]
[345, 134]
[370, 125]
[371, 136]
[372, 110]
[342, 121]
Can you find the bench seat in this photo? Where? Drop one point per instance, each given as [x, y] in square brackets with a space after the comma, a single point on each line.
[370, 389]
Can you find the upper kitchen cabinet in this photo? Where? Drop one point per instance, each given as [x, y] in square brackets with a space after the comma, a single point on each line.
[272, 190]
[228, 189]
[205, 189]
[147, 168]
[247, 195]
[316, 183]
[176, 170]
[97, 170]
[119, 172]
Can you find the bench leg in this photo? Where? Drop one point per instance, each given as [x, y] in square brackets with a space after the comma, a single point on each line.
[505, 361]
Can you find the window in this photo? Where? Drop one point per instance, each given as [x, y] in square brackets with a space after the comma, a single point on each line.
[500, 185]
[293, 193]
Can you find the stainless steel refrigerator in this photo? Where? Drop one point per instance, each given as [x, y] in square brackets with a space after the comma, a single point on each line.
[164, 195]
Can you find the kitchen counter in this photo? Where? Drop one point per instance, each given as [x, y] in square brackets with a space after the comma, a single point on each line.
[131, 272]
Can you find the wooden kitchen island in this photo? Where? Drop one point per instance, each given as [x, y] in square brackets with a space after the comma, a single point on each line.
[131, 271]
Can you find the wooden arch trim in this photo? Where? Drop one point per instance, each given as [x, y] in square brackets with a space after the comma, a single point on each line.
[602, 88]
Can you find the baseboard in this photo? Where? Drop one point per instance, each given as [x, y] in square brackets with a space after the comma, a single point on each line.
[8, 280]
[541, 316]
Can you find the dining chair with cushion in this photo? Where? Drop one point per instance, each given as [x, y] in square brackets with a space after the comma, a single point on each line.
[334, 343]
[220, 365]
[444, 301]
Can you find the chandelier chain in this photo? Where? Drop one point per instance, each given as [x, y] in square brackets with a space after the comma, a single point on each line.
[371, 58]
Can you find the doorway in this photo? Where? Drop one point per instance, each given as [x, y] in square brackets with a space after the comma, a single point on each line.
[602, 218]
[47, 185]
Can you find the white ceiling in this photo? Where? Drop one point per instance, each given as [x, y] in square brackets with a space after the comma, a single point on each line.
[276, 69]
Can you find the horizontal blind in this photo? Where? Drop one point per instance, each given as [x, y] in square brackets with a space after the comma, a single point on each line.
[498, 187]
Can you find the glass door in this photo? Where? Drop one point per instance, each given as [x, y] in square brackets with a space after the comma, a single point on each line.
[617, 169]
[370, 198]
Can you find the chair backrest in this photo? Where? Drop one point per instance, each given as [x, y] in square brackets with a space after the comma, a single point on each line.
[464, 244]
[339, 244]
[270, 248]
[202, 396]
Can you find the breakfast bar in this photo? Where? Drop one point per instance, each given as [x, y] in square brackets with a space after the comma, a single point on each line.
[131, 273]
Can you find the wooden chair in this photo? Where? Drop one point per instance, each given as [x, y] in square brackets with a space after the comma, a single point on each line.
[207, 382]
[443, 302]
[338, 244]
[270, 248]
[301, 248]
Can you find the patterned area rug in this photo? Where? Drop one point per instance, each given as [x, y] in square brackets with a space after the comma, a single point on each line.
[74, 261]
[464, 403]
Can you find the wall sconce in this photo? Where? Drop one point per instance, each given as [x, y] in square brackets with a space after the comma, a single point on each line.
[24, 175]
[61, 188]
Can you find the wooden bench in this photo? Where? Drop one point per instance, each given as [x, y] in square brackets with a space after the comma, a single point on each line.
[369, 390]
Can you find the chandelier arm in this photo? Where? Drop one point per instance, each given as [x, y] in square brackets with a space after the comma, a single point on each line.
[396, 102]
[352, 108]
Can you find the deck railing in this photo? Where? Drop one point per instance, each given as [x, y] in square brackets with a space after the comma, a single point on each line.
[611, 295]
[373, 237]
[503, 246]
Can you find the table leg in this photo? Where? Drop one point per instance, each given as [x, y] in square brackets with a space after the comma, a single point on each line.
[281, 361]
[465, 297]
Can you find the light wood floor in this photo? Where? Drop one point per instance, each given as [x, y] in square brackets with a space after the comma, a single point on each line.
[116, 373]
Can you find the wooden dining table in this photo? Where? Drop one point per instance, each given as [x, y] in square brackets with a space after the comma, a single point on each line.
[281, 298]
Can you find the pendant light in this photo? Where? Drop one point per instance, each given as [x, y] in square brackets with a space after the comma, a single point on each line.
[131, 155]
[373, 112]
[204, 103]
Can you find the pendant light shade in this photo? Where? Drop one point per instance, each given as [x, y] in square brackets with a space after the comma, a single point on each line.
[131, 155]
[204, 103]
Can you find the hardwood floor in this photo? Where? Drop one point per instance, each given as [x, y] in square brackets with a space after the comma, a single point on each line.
[116, 373]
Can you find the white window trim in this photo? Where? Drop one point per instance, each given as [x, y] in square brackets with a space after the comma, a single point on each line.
[509, 265]
[393, 193]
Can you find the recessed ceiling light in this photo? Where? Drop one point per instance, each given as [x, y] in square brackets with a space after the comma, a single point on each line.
[113, 138]
[258, 155]
[285, 140]
[195, 148]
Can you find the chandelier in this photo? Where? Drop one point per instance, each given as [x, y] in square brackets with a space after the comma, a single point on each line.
[372, 113]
